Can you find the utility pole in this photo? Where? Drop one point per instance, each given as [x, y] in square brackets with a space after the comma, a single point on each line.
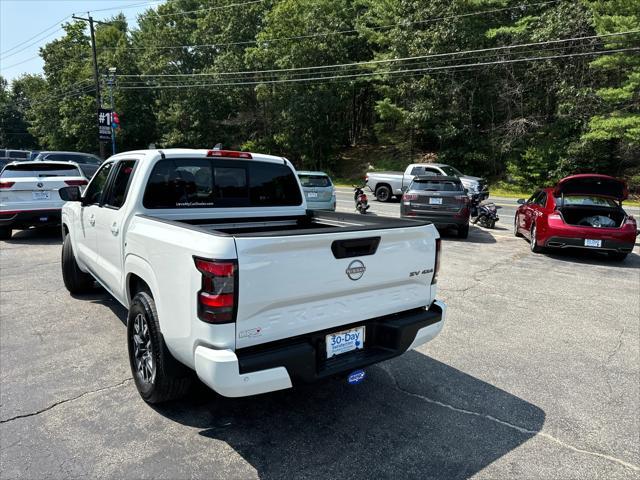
[96, 78]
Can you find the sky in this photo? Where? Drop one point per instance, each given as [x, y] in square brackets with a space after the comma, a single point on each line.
[22, 20]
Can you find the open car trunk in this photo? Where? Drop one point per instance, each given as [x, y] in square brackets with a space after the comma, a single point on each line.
[597, 217]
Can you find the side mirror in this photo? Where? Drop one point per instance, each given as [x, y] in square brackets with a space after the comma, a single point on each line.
[521, 201]
[70, 194]
[405, 189]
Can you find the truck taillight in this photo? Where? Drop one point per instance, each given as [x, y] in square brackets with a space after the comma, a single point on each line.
[75, 183]
[630, 221]
[7, 184]
[217, 300]
[436, 267]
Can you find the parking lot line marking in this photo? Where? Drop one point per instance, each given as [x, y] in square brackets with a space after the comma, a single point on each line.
[511, 425]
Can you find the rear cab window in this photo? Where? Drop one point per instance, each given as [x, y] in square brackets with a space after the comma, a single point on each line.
[220, 183]
[40, 170]
[319, 181]
[436, 186]
[69, 157]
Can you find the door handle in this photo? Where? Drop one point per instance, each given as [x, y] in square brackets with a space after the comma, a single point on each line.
[92, 219]
[114, 228]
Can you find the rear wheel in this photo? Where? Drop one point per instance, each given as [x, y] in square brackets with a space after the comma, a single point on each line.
[535, 248]
[463, 232]
[158, 376]
[383, 193]
[74, 279]
[5, 233]
[617, 256]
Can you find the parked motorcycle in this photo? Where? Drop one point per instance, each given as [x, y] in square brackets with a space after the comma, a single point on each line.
[362, 202]
[485, 214]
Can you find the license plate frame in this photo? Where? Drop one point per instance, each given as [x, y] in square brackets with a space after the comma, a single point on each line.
[337, 343]
[435, 200]
[590, 242]
[39, 195]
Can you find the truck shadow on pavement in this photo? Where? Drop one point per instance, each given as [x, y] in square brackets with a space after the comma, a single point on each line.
[476, 235]
[412, 417]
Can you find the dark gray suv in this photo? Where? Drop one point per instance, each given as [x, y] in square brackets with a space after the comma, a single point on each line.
[441, 200]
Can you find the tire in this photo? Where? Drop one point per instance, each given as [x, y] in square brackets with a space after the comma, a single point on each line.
[515, 227]
[158, 376]
[463, 232]
[492, 223]
[535, 248]
[5, 233]
[617, 256]
[383, 193]
[74, 279]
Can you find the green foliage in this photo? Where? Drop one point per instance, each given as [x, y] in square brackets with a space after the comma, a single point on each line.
[530, 122]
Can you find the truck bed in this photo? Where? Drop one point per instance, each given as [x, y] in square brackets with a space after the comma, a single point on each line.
[314, 222]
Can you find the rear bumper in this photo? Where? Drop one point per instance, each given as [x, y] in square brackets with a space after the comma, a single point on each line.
[279, 365]
[30, 218]
[607, 244]
[440, 221]
[328, 205]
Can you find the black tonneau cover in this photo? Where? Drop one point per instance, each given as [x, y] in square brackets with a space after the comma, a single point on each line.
[315, 221]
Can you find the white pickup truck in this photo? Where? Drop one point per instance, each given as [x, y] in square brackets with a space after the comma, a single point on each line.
[224, 271]
[386, 185]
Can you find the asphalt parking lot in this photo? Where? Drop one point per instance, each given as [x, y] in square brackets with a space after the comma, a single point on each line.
[535, 375]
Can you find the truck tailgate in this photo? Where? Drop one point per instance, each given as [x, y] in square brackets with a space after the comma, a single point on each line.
[292, 285]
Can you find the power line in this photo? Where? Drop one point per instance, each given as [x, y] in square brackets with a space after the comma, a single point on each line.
[125, 7]
[57, 24]
[220, 7]
[356, 68]
[391, 72]
[20, 63]
[381, 61]
[340, 32]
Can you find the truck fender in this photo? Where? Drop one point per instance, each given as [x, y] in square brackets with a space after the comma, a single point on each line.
[138, 266]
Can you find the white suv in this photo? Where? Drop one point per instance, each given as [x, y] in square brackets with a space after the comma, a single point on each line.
[29, 193]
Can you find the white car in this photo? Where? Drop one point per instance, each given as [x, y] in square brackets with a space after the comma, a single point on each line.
[29, 193]
[224, 271]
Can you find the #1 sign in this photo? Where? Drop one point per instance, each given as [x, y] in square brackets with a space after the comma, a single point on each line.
[104, 124]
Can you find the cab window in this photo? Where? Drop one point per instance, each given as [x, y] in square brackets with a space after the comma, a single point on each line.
[120, 186]
[93, 194]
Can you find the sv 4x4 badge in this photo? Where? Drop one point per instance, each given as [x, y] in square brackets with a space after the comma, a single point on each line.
[420, 272]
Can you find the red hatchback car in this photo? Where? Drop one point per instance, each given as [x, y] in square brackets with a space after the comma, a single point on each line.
[583, 211]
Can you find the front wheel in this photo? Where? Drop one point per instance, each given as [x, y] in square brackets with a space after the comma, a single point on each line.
[74, 279]
[383, 193]
[516, 232]
[158, 376]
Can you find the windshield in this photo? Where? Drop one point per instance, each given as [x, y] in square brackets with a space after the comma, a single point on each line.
[70, 157]
[585, 201]
[220, 183]
[18, 154]
[41, 170]
[436, 186]
[314, 180]
[450, 171]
